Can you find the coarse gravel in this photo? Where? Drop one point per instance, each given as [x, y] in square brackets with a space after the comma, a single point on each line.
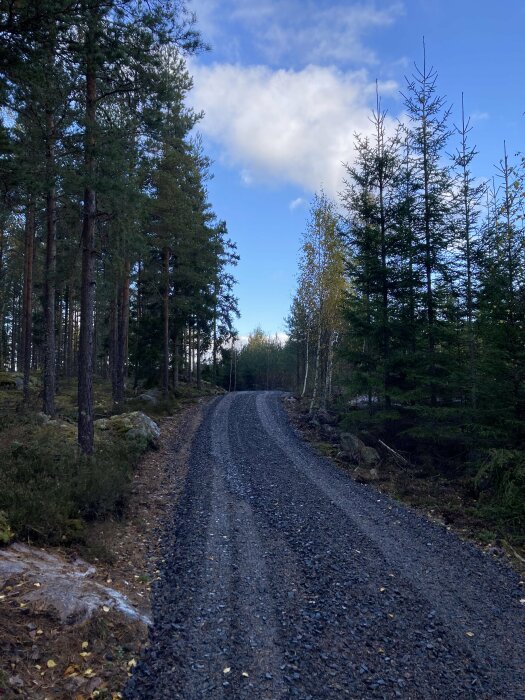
[284, 578]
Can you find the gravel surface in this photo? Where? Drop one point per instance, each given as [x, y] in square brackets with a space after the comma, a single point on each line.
[284, 578]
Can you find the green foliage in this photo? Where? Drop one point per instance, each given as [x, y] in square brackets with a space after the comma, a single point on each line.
[6, 533]
[263, 363]
[47, 489]
[501, 481]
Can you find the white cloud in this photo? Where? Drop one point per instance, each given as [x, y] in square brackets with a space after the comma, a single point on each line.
[296, 203]
[287, 125]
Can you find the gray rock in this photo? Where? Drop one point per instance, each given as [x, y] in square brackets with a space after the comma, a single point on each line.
[328, 432]
[149, 398]
[369, 457]
[352, 445]
[135, 426]
[365, 476]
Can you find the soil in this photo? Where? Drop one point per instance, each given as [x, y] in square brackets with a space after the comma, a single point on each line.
[40, 658]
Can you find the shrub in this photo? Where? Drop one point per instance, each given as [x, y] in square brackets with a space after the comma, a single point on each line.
[501, 482]
[47, 489]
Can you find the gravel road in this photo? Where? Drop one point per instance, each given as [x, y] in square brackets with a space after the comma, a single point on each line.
[283, 578]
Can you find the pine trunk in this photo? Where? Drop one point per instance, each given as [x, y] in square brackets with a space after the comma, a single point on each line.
[122, 336]
[49, 374]
[27, 301]
[2, 297]
[198, 351]
[87, 286]
[166, 322]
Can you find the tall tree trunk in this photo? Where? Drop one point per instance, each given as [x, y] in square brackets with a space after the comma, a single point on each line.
[198, 350]
[176, 358]
[2, 296]
[14, 329]
[113, 341]
[317, 364]
[27, 302]
[189, 367]
[49, 374]
[59, 338]
[87, 287]
[214, 347]
[122, 335]
[306, 364]
[166, 321]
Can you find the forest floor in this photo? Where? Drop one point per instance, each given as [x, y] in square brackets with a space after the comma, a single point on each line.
[446, 499]
[41, 657]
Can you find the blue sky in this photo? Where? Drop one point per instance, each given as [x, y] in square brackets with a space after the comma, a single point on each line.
[288, 82]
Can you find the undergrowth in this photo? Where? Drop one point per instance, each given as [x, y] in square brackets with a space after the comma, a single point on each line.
[48, 490]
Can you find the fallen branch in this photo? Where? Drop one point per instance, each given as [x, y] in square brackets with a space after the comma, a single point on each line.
[518, 556]
[399, 457]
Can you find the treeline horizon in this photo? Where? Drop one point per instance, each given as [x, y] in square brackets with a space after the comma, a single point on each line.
[112, 261]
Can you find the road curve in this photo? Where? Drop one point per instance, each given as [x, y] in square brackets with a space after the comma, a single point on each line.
[283, 578]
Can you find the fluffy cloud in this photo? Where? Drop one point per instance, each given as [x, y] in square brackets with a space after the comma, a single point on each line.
[297, 203]
[295, 126]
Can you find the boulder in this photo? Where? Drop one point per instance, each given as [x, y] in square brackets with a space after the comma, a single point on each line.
[135, 426]
[355, 450]
[64, 590]
[370, 457]
[365, 476]
[149, 399]
[352, 445]
[328, 432]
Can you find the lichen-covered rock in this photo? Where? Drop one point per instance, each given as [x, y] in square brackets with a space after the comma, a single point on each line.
[369, 457]
[351, 446]
[135, 426]
[66, 591]
[149, 398]
[357, 452]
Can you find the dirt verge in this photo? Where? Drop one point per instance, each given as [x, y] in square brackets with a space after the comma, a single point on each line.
[448, 501]
[41, 658]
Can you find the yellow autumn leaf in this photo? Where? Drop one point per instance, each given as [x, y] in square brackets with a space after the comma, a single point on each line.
[85, 654]
[85, 645]
[226, 670]
[132, 663]
[105, 608]
[470, 634]
[39, 631]
[51, 663]
[244, 674]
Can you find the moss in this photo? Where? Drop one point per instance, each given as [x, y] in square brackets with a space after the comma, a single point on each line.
[6, 534]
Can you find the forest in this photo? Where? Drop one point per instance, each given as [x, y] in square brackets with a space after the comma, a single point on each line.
[408, 319]
[115, 272]
[409, 316]
[112, 261]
